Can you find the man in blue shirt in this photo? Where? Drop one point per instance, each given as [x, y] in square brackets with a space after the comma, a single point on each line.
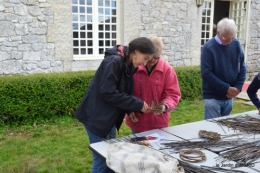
[223, 70]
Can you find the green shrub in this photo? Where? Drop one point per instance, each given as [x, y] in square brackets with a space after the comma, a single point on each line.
[190, 82]
[30, 98]
[37, 98]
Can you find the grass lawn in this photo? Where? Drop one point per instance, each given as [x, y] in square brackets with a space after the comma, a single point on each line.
[62, 147]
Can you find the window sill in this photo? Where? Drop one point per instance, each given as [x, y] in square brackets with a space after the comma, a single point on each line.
[87, 57]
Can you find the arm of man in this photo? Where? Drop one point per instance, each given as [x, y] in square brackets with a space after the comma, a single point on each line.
[252, 90]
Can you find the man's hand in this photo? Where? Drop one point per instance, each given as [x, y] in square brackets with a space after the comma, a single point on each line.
[133, 117]
[232, 92]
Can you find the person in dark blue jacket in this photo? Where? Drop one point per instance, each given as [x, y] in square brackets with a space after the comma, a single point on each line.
[109, 95]
[223, 70]
[252, 90]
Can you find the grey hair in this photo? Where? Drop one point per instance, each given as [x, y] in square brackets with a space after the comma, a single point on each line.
[157, 43]
[227, 25]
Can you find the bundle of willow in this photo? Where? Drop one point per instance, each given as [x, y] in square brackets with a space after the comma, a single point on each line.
[209, 134]
[219, 169]
[245, 155]
[242, 123]
[157, 108]
[178, 146]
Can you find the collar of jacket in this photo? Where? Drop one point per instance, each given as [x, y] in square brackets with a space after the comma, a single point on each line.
[158, 67]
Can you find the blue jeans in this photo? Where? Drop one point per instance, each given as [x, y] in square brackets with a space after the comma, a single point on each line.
[99, 164]
[217, 108]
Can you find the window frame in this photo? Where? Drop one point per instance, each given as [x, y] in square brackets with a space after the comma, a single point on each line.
[95, 31]
[210, 24]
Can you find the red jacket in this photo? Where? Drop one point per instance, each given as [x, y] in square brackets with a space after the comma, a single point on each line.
[162, 85]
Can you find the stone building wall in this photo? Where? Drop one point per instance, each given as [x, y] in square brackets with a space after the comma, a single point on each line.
[253, 45]
[174, 21]
[35, 36]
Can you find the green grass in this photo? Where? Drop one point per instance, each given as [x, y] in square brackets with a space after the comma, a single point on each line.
[62, 147]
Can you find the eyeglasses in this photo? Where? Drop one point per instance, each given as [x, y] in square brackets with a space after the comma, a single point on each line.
[227, 38]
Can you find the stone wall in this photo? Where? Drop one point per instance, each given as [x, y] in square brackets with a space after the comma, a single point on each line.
[253, 45]
[174, 21]
[35, 37]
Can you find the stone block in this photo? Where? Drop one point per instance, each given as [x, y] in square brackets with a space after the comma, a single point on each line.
[21, 29]
[29, 66]
[34, 10]
[48, 11]
[16, 55]
[38, 31]
[14, 1]
[2, 8]
[9, 10]
[48, 19]
[20, 9]
[44, 4]
[56, 69]
[44, 64]
[6, 28]
[56, 63]
[32, 56]
[5, 48]
[30, 2]
[31, 39]
[15, 38]
[4, 56]
[25, 19]
[47, 55]
[37, 46]
[12, 67]
[24, 47]
[10, 43]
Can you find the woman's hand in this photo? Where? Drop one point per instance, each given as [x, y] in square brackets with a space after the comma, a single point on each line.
[133, 117]
[145, 108]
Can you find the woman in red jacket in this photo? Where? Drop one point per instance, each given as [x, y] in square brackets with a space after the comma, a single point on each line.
[158, 82]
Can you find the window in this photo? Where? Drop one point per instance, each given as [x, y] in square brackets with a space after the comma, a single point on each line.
[207, 21]
[95, 27]
[239, 14]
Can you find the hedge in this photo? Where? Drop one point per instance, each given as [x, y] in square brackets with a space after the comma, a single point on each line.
[190, 82]
[30, 98]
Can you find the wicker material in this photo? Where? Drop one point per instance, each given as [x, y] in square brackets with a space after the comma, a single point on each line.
[157, 108]
[209, 135]
[185, 155]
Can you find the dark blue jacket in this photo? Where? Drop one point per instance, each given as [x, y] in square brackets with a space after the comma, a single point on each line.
[252, 90]
[222, 66]
[108, 96]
